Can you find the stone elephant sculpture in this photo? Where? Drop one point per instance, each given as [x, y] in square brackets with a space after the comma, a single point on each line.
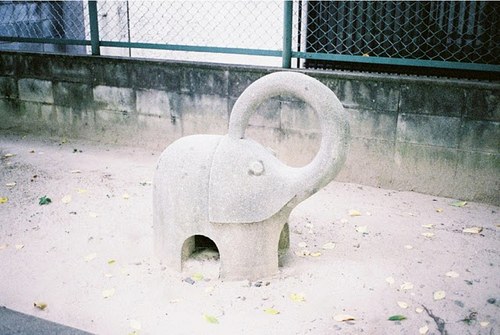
[236, 192]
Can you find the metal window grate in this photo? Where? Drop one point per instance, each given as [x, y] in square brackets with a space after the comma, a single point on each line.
[451, 31]
[43, 19]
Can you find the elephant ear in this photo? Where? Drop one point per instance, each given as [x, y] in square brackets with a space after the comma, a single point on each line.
[247, 183]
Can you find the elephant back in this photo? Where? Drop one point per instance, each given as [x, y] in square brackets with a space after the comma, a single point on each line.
[181, 179]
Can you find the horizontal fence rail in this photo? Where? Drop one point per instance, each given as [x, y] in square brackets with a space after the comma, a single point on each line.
[454, 35]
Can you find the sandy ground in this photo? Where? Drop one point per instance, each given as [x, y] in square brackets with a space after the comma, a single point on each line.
[88, 255]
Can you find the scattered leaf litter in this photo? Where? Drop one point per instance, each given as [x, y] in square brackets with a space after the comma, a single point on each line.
[390, 280]
[397, 317]
[343, 317]
[66, 199]
[210, 319]
[439, 295]
[406, 286]
[40, 305]
[473, 230]
[136, 325]
[354, 212]
[423, 330]
[108, 293]
[459, 203]
[328, 246]
[297, 297]
[271, 311]
[90, 257]
[403, 304]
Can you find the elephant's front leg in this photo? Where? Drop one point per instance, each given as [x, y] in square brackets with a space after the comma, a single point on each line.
[250, 250]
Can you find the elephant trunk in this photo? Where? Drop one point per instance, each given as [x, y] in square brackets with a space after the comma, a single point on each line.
[332, 118]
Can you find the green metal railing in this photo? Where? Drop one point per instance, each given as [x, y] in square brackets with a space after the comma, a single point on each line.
[361, 32]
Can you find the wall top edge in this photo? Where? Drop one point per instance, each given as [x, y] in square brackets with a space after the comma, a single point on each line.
[331, 74]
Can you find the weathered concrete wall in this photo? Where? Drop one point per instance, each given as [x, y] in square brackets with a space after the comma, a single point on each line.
[434, 136]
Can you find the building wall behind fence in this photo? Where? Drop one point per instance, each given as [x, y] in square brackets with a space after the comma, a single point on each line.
[434, 136]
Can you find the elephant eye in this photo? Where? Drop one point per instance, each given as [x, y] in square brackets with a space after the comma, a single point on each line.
[256, 168]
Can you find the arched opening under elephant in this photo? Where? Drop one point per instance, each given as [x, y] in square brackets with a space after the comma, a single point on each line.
[200, 254]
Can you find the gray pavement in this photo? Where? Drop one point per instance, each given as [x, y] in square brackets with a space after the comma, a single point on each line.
[15, 323]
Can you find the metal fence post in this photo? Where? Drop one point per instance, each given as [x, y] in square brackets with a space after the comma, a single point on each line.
[94, 28]
[287, 33]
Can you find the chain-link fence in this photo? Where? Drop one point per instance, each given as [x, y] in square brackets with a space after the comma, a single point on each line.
[201, 26]
[447, 34]
[453, 31]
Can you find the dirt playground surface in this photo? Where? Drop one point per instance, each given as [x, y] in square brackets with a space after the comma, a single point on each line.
[358, 256]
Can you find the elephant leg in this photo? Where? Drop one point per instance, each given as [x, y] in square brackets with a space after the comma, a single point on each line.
[250, 250]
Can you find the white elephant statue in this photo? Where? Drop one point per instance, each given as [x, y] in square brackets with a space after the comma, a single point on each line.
[235, 191]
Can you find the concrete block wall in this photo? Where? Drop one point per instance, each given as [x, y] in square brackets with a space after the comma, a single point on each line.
[428, 135]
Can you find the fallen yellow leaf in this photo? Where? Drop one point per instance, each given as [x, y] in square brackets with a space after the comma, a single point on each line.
[439, 295]
[9, 155]
[210, 318]
[126, 196]
[473, 230]
[82, 191]
[3, 200]
[197, 277]
[297, 297]
[315, 254]
[362, 229]
[354, 212]
[439, 210]
[108, 293]
[271, 311]
[428, 235]
[452, 274]
[459, 203]
[19, 246]
[419, 310]
[111, 261]
[40, 305]
[10, 185]
[429, 225]
[344, 317]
